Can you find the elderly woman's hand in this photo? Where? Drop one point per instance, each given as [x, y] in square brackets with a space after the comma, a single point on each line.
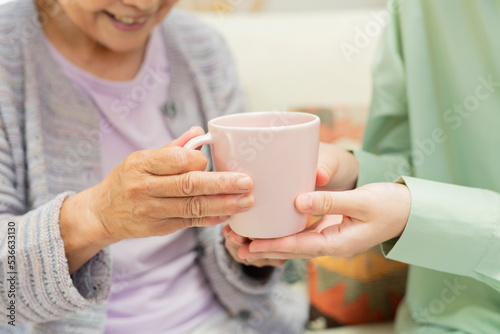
[152, 193]
[157, 192]
[234, 243]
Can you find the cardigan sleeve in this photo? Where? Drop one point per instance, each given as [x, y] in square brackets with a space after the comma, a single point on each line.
[35, 283]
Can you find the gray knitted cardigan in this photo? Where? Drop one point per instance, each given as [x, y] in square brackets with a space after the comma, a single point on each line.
[49, 149]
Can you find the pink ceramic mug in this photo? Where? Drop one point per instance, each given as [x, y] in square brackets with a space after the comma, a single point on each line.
[279, 151]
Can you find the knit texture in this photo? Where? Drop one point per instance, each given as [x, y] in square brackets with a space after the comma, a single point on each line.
[49, 150]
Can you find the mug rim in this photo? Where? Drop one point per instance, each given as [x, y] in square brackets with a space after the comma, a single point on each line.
[314, 119]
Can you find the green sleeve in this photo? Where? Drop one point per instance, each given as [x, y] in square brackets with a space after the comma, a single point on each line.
[451, 228]
[386, 144]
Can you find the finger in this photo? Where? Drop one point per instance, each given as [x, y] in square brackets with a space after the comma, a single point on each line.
[167, 161]
[233, 248]
[277, 258]
[237, 239]
[265, 263]
[231, 230]
[348, 203]
[234, 241]
[327, 163]
[301, 245]
[233, 236]
[322, 176]
[196, 207]
[198, 183]
[260, 259]
[195, 131]
[171, 225]
[226, 230]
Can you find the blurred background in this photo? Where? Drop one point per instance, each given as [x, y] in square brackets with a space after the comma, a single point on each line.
[307, 53]
[282, 5]
[313, 55]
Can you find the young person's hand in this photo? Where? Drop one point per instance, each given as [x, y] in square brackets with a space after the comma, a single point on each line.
[372, 214]
[337, 168]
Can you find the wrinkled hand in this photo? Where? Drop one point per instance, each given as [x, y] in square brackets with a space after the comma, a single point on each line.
[158, 192]
[372, 214]
[233, 244]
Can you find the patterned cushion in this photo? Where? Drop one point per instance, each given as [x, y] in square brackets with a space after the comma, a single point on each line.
[362, 289]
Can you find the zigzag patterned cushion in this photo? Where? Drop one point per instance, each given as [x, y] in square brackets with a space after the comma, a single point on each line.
[363, 289]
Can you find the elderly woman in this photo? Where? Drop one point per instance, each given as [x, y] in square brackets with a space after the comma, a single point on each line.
[91, 93]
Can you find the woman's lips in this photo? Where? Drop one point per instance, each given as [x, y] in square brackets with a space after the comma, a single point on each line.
[127, 23]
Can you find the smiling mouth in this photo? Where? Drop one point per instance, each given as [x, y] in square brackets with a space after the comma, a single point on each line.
[127, 20]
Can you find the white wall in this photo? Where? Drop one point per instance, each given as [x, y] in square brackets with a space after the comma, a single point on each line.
[300, 5]
[291, 59]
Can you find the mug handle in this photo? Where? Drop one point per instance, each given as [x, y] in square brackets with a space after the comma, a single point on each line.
[199, 141]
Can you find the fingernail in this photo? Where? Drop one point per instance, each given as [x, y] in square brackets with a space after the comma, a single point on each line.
[236, 240]
[251, 248]
[304, 202]
[246, 201]
[244, 183]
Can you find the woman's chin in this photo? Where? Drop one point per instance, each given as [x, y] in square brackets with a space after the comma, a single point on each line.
[123, 43]
[124, 46]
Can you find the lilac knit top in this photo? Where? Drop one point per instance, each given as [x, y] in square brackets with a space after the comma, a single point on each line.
[152, 278]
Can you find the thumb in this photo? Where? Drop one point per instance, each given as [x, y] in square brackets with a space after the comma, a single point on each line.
[195, 131]
[347, 203]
